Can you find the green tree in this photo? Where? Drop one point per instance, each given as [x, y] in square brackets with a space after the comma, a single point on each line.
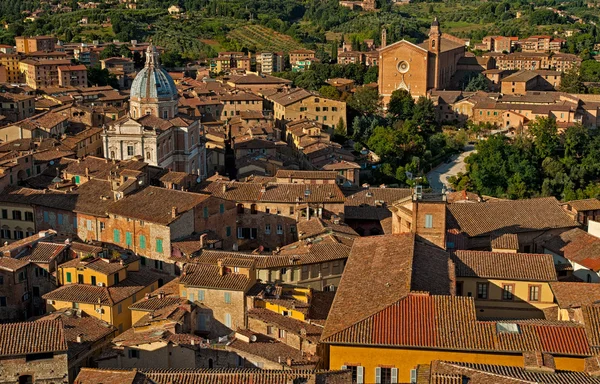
[365, 100]
[383, 142]
[424, 114]
[125, 52]
[110, 50]
[401, 104]
[340, 128]
[101, 77]
[545, 134]
[329, 92]
[571, 82]
[477, 83]
[371, 75]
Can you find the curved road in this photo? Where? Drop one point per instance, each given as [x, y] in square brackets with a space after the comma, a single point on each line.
[439, 175]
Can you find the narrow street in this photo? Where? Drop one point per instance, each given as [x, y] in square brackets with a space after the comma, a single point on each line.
[438, 177]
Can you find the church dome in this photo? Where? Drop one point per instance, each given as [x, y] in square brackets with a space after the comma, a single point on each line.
[153, 82]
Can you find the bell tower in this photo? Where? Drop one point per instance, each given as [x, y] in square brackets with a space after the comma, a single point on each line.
[435, 36]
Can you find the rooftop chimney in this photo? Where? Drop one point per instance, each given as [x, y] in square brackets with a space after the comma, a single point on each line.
[203, 240]
[224, 186]
[221, 268]
[174, 212]
[87, 172]
[536, 361]
[80, 338]
[161, 294]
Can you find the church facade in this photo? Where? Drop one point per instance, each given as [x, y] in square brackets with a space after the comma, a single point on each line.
[154, 130]
[419, 68]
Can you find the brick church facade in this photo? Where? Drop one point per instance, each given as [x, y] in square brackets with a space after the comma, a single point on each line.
[419, 67]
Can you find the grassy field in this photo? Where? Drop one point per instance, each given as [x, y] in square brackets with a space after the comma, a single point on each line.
[263, 39]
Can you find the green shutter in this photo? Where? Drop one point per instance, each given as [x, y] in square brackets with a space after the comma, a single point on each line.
[206, 212]
[222, 208]
[128, 239]
[77, 180]
[159, 247]
[68, 277]
[116, 236]
[142, 242]
[228, 230]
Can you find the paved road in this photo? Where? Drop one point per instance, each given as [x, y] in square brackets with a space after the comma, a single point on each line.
[438, 177]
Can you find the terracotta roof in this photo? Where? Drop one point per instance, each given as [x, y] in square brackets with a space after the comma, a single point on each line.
[369, 265]
[584, 205]
[83, 293]
[572, 294]
[32, 337]
[249, 79]
[505, 241]
[512, 216]
[324, 175]
[317, 226]
[371, 203]
[578, 246]
[343, 164]
[272, 350]
[313, 332]
[510, 266]
[502, 374]
[277, 192]
[10, 264]
[209, 376]
[105, 266]
[204, 275]
[46, 252]
[154, 204]
[90, 329]
[433, 322]
[93, 197]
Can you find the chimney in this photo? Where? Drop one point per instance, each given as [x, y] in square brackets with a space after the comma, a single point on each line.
[263, 188]
[161, 294]
[174, 212]
[203, 240]
[80, 338]
[87, 172]
[224, 186]
[121, 262]
[147, 296]
[536, 361]
[592, 366]
[289, 361]
[221, 268]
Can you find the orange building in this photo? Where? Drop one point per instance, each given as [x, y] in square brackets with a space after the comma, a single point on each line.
[418, 68]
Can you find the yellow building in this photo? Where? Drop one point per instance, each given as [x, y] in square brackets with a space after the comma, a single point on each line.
[102, 288]
[10, 62]
[505, 284]
[395, 309]
[295, 302]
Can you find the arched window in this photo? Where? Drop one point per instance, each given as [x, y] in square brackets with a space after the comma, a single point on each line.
[147, 155]
[112, 154]
[210, 363]
[240, 208]
[253, 209]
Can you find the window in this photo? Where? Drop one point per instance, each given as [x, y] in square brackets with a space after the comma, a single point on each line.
[60, 219]
[222, 208]
[292, 228]
[5, 213]
[200, 295]
[240, 209]
[428, 221]
[534, 293]
[267, 210]
[279, 229]
[240, 233]
[228, 320]
[267, 229]
[253, 209]
[482, 290]
[159, 245]
[508, 291]
[117, 278]
[16, 215]
[205, 212]
[228, 231]
[2, 301]
[134, 354]
[191, 297]
[102, 226]
[116, 236]
[227, 297]
[119, 308]
[281, 333]
[1, 280]
[88, 224]
[75, 305]
[386, 375]
[28, 216]
[128, 239]
[68, 277]
[93, 280]
[5, 233]
[80, 278]
[291, 210]
[130, 150]
[158, 264]
[142, 242]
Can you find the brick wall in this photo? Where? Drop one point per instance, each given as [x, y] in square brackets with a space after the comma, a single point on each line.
[44, 371]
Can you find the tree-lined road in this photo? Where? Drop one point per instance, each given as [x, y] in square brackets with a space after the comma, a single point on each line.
[438, 177]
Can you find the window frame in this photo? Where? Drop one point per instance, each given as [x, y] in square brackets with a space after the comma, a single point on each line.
[511, 292]
[539, 292]
[487, 290]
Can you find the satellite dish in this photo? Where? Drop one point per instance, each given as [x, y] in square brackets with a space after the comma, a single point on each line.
[51, 162]
[253, 338]
[198, 179]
